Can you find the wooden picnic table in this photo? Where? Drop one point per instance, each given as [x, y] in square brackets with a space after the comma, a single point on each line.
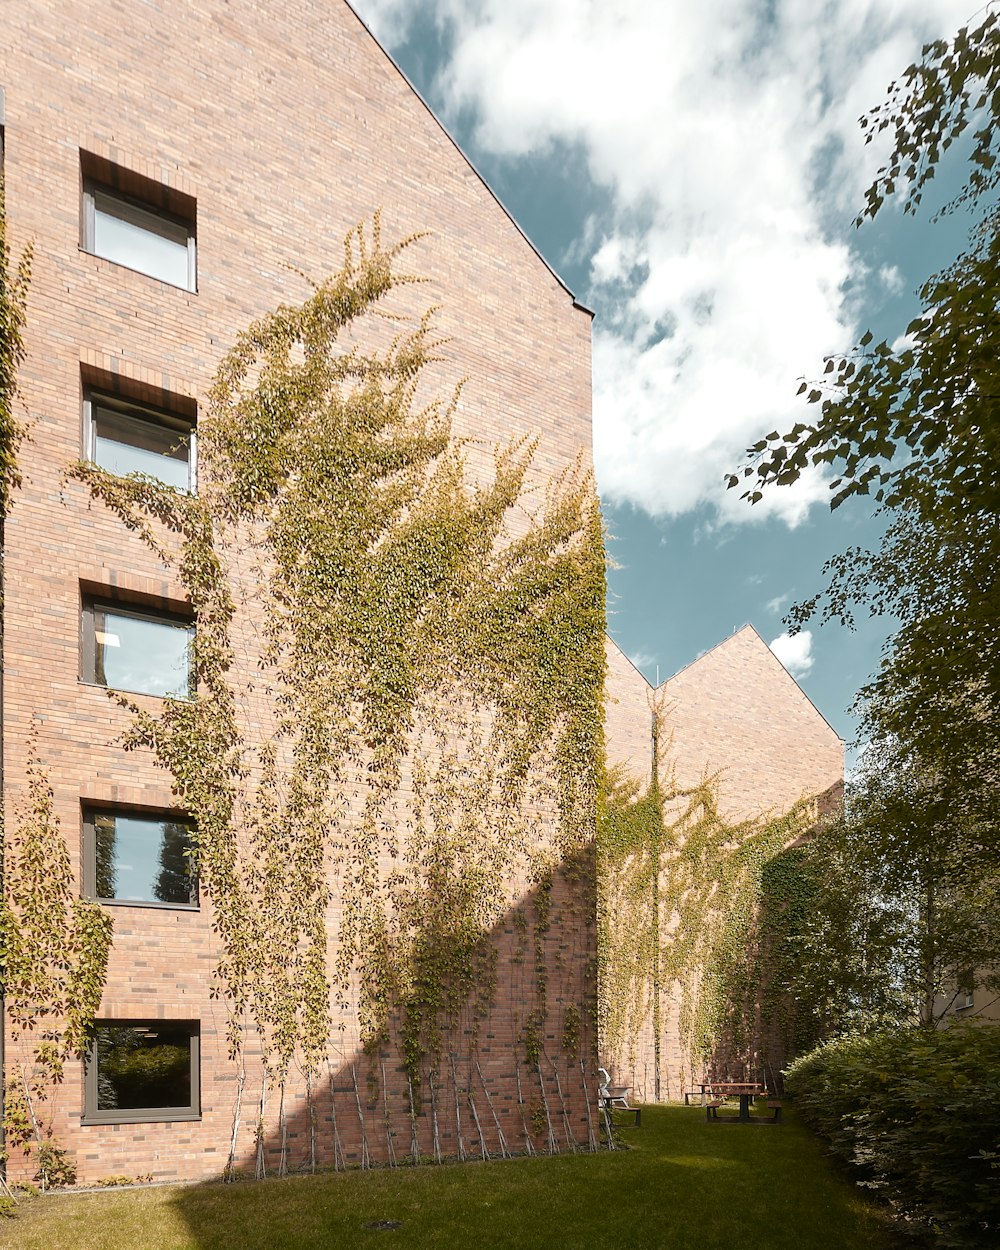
[707, 1088]
[746, 1091]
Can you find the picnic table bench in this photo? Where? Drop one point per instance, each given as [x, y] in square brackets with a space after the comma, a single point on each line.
[746, 1093]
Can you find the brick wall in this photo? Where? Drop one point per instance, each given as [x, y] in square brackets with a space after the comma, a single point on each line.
[287, 124]
[735, 714]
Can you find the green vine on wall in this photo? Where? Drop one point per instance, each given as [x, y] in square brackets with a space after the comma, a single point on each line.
[397, 670]
[53, 945]
[54, 949]
[790, 894]
[683, 890]
[13, 307]
[630, 832]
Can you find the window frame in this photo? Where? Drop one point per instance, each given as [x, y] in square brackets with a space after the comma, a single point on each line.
[96, 398]
[965, 993]
[90, 603]
[146, 216]
[90, 810]
[142, 1115]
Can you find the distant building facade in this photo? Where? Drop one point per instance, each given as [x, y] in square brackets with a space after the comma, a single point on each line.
[736, 716]
[177, 168]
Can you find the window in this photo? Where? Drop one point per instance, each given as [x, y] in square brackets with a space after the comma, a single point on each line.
[126, 437]
[966, 994]
[140, 1070]
[139, 858]
[143, 652]
[139, 223]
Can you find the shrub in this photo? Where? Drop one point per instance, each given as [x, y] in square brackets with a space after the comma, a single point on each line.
[55, 1165]
[917, 1113]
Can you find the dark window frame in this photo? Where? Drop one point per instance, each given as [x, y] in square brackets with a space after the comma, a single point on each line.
[134, 608]
[142, 1115]
[143, 202]
[89, 810]
[155, 415]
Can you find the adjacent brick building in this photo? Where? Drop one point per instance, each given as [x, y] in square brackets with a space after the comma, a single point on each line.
[734, 714]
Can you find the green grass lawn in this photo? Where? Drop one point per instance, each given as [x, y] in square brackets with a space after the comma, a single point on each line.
[684, 1183]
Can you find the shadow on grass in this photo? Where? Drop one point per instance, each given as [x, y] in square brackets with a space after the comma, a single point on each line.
[682, 1184]
[678, 1183]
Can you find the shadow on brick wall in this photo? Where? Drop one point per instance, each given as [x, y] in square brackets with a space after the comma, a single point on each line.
[515, 1072]
[768, 1026]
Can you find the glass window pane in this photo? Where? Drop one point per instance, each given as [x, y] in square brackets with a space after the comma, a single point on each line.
[143, 859]
[142, 655]
[128, 444]
[131, 236]
[143, 1066]
[104, 845]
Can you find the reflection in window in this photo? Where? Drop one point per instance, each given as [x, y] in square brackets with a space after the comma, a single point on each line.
[126, 438]
[143, 859]
[142, 1067]
[140, 236]
[145, 654]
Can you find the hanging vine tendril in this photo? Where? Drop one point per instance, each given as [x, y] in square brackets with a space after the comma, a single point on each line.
[399, 676]
[681, 889]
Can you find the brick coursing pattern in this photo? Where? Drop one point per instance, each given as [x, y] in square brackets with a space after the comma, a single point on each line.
[737, 714]
[288, 125]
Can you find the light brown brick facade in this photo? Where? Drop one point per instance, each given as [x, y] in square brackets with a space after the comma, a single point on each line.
[735, 714]
[287, 125]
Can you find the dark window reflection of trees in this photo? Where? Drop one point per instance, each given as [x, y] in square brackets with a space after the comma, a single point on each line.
[176, 882]
[145, 860]
[105, 839]
[142, 1066]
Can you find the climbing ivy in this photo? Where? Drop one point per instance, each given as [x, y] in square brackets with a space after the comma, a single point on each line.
[54, 954]
[13, 304]
[398, 670]
[682, 889]
[631, 831]
[795, 1007]
[717, 884]
[53, 945]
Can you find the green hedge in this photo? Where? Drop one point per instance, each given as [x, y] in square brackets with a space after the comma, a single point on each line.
[917, 1114]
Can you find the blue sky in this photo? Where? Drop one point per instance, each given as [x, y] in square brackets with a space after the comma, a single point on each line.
[692, 172]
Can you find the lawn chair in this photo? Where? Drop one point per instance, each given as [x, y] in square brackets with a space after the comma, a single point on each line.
[611, 1096]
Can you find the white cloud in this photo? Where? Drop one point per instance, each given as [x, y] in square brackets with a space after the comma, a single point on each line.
[892, 279]
[794, 651]
[388, 20]
[642, 659]
[727, 137]
[903, 343]
[778, 603]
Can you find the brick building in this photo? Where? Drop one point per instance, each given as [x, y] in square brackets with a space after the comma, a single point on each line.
[734, 714]
[178, 168]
